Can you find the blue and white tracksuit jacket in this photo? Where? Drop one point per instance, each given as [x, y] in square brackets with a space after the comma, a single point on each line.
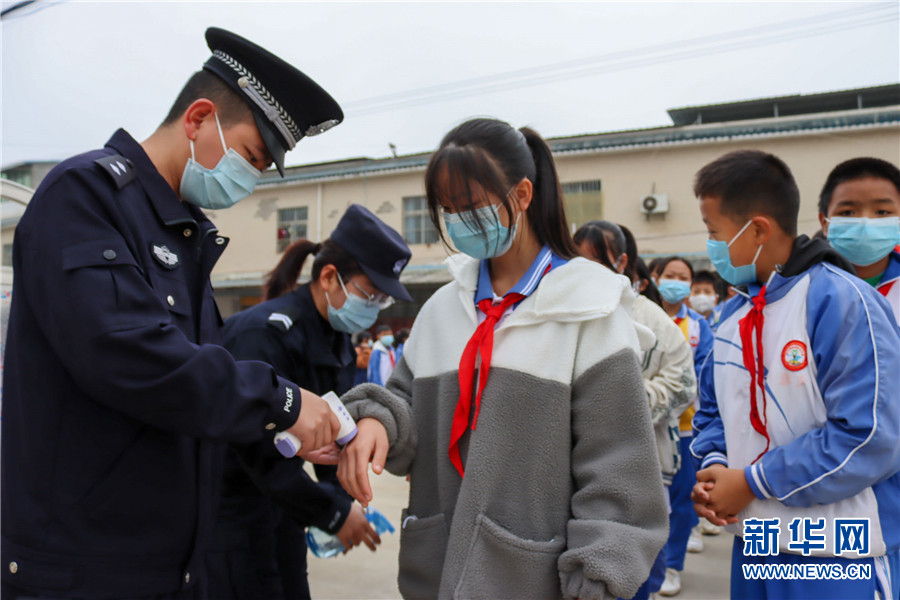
[890, 283]
[832, 374]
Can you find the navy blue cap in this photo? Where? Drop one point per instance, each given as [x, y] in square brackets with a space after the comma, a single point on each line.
[287, 105]
[380, 251]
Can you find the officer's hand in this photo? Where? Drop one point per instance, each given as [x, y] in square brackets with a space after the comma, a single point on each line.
[317, 425]
[357, 530]
[370, 444]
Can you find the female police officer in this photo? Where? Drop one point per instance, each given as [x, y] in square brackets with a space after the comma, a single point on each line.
[304, 333]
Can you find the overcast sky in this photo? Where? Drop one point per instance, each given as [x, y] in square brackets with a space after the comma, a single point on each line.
[405, 73]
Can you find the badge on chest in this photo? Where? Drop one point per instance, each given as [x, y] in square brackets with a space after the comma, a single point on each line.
[164, 256]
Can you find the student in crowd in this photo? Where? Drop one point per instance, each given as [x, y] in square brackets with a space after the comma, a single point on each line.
[363, 353]
[667, 366]
[382, 359]
[644, 281]
[705, 297]
[399, 341]
[541, 480]
[674, 278]
[800, 409]
[859, 210]
[304, 333]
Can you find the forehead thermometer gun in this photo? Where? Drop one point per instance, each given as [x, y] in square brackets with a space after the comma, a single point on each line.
[288, 444]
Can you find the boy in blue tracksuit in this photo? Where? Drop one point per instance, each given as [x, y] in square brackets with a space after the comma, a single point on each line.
[859, 210]
[797, 435]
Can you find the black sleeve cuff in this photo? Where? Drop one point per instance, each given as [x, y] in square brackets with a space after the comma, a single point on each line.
[285, 405]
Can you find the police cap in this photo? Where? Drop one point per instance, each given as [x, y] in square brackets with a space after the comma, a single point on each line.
[380, 251]
[287, 105]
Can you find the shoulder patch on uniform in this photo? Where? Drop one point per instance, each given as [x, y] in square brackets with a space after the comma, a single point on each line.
[119, 168]
[280, 321]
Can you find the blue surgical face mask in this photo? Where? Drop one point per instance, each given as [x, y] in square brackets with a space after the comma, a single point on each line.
[387, 340]
[496, 239]
[232, 179]
[864, 241]
[674, 291]
[721, 260]
[354, 316]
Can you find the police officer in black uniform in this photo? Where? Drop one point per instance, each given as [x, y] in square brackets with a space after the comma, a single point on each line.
[267, 501]
[118, 399]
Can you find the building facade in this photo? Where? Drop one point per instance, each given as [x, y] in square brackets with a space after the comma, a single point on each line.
[642, 179]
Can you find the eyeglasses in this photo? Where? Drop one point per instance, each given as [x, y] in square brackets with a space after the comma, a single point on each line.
[379, 299]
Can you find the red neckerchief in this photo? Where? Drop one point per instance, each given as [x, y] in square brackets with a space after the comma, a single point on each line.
[753, 320]
[884, 289]
[481, 341]
[678, 320]
[391, 355]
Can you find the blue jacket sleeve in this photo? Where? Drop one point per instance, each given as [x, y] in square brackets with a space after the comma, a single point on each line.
[115, 336]
[708, 446]
[856, 348]
[375, 367]
[704, 348]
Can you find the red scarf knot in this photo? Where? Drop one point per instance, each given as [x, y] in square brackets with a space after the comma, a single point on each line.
[753, 321]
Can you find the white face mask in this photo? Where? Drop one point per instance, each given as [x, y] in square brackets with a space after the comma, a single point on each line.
[703, 303]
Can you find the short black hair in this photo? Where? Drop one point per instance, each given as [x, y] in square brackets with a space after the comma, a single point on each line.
[711, 278]
[857, 168]
[751, 181]
[382, 329]
[705, 276]
[205, 84]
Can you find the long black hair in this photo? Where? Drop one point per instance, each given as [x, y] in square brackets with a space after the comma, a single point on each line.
[605, 238]
[496, 156]
[283, 278]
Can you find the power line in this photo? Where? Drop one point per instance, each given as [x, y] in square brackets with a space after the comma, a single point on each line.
[647, 56]
[15, 7]
[6, 14]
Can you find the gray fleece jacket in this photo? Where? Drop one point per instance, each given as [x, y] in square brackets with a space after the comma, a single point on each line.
[562, 494]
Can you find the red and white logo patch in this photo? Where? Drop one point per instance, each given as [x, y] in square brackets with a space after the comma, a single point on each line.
[793, 357]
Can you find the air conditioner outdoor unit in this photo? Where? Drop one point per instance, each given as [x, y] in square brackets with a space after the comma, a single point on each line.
[655, 204]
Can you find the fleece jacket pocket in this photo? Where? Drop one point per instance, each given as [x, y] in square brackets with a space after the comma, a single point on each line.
[500, 564]
[423, 543]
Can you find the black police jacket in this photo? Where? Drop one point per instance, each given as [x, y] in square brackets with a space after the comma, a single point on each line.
[260, 486]
[117, 398]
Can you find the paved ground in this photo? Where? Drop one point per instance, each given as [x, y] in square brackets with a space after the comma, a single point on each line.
[361, 574]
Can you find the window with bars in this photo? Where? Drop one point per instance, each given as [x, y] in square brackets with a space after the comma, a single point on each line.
[583, 200]
[291, 225]
[417, 226]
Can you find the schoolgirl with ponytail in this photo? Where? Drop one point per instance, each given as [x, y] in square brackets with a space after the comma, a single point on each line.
[303, 331]
[518, 408]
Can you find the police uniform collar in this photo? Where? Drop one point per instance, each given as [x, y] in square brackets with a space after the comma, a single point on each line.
[170, 210]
